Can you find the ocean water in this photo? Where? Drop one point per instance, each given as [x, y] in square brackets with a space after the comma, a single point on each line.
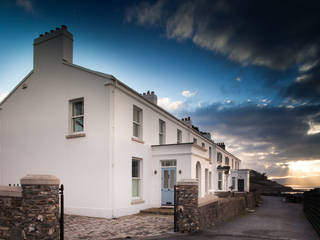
[302, 187]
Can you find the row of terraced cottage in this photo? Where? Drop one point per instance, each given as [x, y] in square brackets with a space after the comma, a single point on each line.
[115, 150]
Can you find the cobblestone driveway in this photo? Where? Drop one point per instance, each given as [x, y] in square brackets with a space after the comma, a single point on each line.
[134, 226]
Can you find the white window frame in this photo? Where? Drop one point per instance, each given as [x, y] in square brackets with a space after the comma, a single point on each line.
[162, 134]
[138, 124]
[220, 180]
[72, 117]
[227, 163]
[233, 182]
[139, 178]
[179, 136]
[219, 154]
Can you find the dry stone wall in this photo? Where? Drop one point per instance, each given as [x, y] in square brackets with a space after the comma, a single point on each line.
[190, 217]
[32, 210]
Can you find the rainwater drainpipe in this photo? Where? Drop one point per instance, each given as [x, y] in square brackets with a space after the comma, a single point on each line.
[113, 141]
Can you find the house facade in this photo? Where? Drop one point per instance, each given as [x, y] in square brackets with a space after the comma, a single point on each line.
[115, 150]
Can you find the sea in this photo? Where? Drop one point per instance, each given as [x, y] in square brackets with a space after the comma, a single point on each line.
[302, 187]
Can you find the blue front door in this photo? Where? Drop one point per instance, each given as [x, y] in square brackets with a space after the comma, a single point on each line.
[168, 180]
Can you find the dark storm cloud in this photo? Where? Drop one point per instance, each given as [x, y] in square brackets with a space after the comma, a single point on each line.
[263, 136]
[273, 34]
[307, 85]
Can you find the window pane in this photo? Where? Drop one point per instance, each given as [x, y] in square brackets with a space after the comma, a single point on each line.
[172, 178]
[135, 187]
[166, 176]
[161, 126]
[136, 115]
[220, 185]
[77, 124]
[77, 108]
[161, 139]
[136, 130]
[135, 168]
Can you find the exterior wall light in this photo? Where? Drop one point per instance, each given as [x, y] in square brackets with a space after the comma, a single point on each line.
[180, 171]
[155, 172]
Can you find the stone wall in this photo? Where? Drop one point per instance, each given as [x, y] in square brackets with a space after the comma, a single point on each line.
[221, 210]
[186, 210]
[32, 210]
[191, 217]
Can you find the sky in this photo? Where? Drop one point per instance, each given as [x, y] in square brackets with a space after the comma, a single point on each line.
[246, 71]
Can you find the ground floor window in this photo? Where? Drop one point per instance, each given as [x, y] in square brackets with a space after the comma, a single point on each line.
[136, 178]
[219, 180]
[233, 183]
[210, 180]
[207, 180]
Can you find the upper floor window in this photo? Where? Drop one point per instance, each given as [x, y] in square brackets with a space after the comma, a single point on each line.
[203, 145]
[77, 115]
[162, 132]
[232, 163]
[227, 161]
[179, 136]
[195, 140]
[219, 157]
[137, 122]
[210, 153]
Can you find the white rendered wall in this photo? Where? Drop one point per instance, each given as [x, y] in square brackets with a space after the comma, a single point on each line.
[34, 125]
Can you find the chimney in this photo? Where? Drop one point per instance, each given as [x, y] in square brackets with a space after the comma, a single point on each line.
[187, 121]
[151, 97]
[222, 145]
[52, 48]
[206, 135]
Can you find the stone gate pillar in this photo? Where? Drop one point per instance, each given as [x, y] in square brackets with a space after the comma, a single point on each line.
[40, 206]
[187, 212]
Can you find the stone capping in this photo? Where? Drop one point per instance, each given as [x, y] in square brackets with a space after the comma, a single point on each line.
[8, 191]
[187, 182]
[39, 180]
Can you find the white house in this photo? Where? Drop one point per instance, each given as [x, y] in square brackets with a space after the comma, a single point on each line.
[115, 150]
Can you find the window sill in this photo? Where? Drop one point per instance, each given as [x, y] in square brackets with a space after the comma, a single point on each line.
[75, 135]
[137, 201]
[137, 140]
[200, 147]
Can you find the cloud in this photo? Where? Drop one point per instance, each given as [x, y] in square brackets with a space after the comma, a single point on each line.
[188, 94]
[306, 87]
[170, 105]
[248, 32]
[263, 136]
[146, 13]
[26, 5]
[238, 79]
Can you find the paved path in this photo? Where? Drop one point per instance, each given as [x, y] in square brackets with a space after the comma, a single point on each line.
[139, 225]
[274, 220]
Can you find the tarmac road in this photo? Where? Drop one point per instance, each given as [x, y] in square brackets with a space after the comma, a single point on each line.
[274, 220]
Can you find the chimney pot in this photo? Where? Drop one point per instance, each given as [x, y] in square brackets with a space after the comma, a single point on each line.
[152, 93]
[41, 35]
[46, 33]
[64, 27]
[57, 29]
[51, 31]
[148, 92]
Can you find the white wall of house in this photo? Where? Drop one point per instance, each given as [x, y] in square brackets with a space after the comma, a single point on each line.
[34, 125]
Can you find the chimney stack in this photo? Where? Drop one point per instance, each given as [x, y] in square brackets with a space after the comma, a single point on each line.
[187, 121]
[151, 97]
[222, 145]
[52, 48]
